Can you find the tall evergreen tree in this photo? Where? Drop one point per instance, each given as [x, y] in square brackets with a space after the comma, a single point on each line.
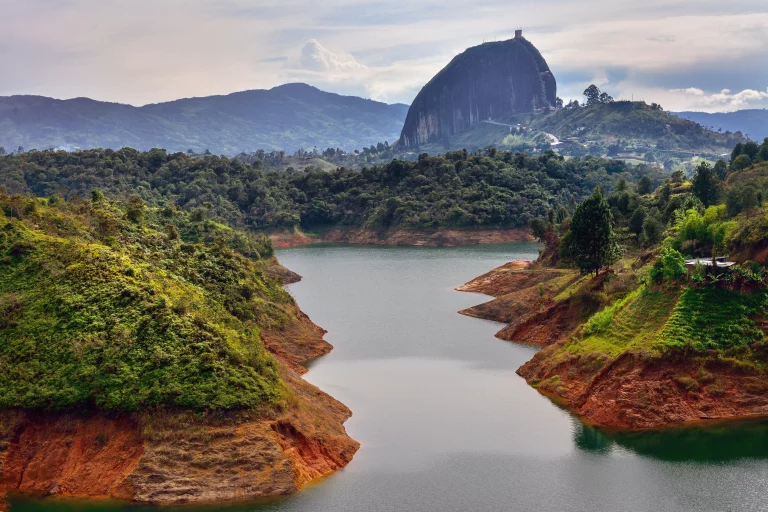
[591, 242]
[706, 184]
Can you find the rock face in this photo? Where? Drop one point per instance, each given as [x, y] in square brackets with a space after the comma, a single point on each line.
[485, 82]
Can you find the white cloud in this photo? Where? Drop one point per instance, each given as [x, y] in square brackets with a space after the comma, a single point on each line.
[693, 91]
[316, 57]
[341, 72]
[725, 98]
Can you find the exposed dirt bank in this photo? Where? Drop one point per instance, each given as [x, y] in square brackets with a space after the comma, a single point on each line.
[175, 457]
[441, 237]
[523, 300]
[634, 390]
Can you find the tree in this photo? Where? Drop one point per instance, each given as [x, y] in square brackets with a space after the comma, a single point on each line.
[750, 149]
[737, 150]
[645, 185]
[721, 169]
[652, 231]
[135, 209]
[741, 162]
[637, 220]
[2, 150]
[669, 266]
[592, 94]
[538, 229]
[706, 184]
[606, 98]
[591, 241]
[762, 154]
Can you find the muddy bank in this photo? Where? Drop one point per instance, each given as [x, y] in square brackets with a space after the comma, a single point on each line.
[442, 237]
[177, 457]
[634, 390]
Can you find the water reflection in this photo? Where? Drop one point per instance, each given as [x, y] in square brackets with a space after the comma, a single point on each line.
[717, 442]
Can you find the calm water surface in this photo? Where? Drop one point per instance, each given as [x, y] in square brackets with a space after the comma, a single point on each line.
[446, 424]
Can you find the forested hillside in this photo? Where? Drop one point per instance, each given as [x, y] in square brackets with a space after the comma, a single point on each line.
[127, 307]
[457, 189]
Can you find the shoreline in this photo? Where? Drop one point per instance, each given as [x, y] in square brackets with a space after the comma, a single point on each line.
[172, 457]
[439, 237]
[630, 392]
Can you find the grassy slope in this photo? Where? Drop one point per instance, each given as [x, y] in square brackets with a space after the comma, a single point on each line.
[98, 310]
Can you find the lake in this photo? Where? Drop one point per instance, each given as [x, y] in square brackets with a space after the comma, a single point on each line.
[445, 423]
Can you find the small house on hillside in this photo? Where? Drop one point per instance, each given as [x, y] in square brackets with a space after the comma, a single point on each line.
[707, 262]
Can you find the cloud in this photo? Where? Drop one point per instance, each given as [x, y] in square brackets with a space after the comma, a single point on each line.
[380, 49]
[315, 57]
[693, 91]
[724, 98]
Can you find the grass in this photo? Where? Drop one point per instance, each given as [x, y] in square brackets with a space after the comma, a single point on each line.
[631, 323]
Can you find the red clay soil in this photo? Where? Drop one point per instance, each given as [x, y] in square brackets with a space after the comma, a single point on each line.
[176, 457]
[636, 391]
[441, 237]
[524, 302]
[632, 391]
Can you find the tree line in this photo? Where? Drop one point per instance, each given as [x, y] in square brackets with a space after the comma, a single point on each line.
[458, 189]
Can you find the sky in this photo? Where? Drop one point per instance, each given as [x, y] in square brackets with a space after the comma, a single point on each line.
[684, 54]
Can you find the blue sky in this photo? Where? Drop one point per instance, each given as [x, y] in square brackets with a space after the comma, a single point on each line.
[695, 54]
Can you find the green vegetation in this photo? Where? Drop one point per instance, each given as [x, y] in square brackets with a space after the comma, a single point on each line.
[714, 318]
[632, 130]
[591, 242]
[653, 305]
[124, 306]
[488, 189]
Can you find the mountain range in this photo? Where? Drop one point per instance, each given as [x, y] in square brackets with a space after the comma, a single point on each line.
[751, 122]
[288, 117]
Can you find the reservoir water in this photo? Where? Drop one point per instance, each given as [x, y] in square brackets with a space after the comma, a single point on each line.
[445, 423]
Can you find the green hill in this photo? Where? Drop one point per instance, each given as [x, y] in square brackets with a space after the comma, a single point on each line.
[624, 126]
[126, 307]
[288, 117]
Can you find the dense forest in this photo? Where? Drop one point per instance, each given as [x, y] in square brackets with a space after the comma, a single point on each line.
[122, 306]
[461, 189]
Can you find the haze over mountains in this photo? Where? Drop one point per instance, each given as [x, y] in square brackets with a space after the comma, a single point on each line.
[288, 117]
[751, 122]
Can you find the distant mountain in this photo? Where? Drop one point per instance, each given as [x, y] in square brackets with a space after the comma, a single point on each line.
[288, 117]
[751, 122]
[485, 82]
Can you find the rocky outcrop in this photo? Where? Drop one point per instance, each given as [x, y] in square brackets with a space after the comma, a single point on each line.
[440, 237]
[166, 457]
[485, 82]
